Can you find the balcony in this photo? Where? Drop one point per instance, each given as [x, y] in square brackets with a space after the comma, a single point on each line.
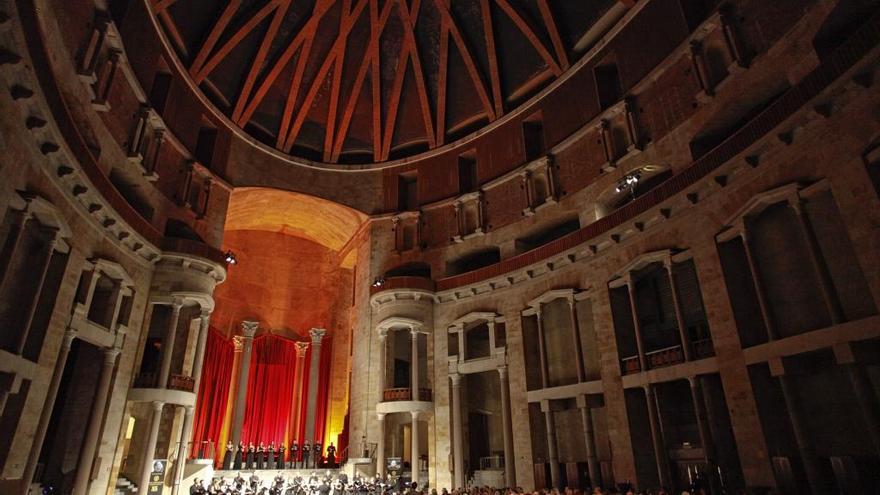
[405, 394]
[392, 283]
[183, 383]
[667, 356]
[175, 382]
[630, 365]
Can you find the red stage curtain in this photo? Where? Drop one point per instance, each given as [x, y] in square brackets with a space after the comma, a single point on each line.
[270, 391]
[214, 389]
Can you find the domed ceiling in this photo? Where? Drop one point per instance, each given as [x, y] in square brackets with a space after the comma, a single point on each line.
[363, 81]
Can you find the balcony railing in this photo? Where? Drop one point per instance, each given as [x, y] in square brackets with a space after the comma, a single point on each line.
[665, 357]
[175, 382]
[399, 394]
[630, 365]
[392, 283]
[492, 462]
[181, 382]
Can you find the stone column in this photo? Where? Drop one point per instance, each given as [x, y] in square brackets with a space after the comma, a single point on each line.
[185, 434]
[317, 335]
[93, 431]
[679, 313]
[507, 427]
[383, 343]
[457, 447]
[589, 441]
[867, 400]
[637, 327]
[759, 287]
[657, 436]
[414, 451]
[248, 330]
[542, 350]
[552, 450]
[168, 343]
[19, 223]
[46, 414]
[199, 360]
[45, 261]
[576, 334]
[414, 365]
[301, 349]
[798, 427]
[706, 439]
[150, 447]
[829, 295]
[380, 447]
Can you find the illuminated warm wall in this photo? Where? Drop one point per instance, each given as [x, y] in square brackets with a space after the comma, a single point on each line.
[286, 283]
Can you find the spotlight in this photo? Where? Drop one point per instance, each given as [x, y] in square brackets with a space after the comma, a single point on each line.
[230, 258]
[379, 282]
[629, 182]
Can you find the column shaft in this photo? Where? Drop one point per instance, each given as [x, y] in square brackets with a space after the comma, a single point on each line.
[90, 441]
[414, 453]
[679, 315]
[637, 327]
[314, 368]
[805, 447]
[759, 288]
[41, 279]
[590, 442]
[14, 241]
[249, 328]
[706, 440]
[185, 434]
[168, 345]
[414, 366]
[199, 360]
[457, 447]
[383, 342]
[576, 335]
[507, 429]
[829, 295]
[657, 436]
[380, 447]
[150, 447]
[542, 352]
[46, 414]
[552, 450]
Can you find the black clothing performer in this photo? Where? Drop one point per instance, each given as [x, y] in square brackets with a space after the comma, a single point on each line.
[250, 457]
[317, 454]
[239, 452]
[306, 451]
[294, 450]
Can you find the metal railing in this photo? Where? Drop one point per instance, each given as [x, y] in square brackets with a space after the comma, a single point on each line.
[665, 357]
[181, 382]
[399, 394]
[492, 462]
[630, 365]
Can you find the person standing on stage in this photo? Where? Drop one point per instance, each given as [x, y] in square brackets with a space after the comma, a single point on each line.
[239, 453]
[306, 452]
[331, 455]
[270, 456]
[227, 456]
[261, 456]
[318, 449]
[281, 462]
[294, 452]
[250, 456]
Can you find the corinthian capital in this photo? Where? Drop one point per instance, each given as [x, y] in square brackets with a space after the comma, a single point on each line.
[249, 328]
[301, 348]
[317, 334]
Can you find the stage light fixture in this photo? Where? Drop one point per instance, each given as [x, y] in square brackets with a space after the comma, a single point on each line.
[230, 258]
[379, 282]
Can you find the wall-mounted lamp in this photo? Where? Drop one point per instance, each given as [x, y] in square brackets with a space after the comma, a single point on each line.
[230, 258]
[379, 282]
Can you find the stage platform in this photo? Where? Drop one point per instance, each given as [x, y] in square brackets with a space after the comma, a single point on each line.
[268, 474]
